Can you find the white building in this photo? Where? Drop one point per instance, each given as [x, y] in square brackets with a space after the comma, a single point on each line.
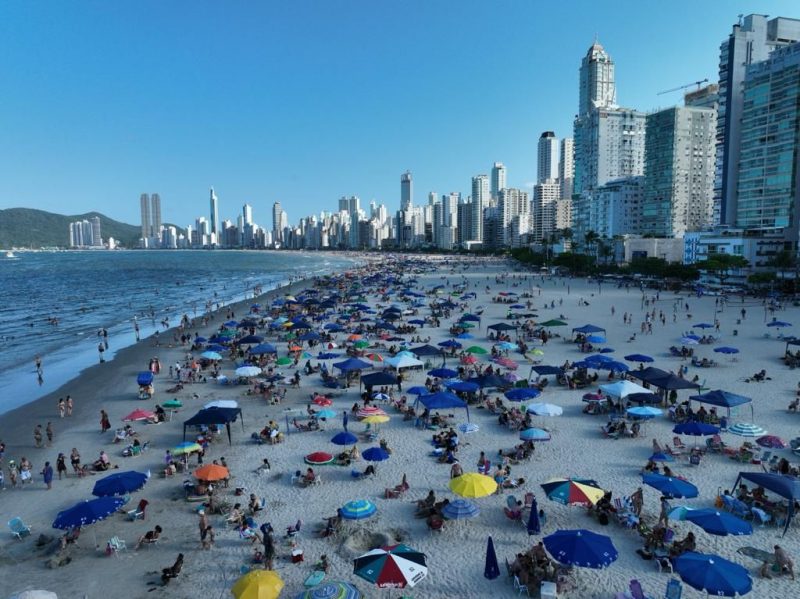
[566, 168]
[545, 199]
[547, 158]
[480, 201]
[617, 207]
[498, 179]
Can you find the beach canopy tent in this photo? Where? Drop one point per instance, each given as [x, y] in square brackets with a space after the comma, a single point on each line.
[622, 389]
[263, 348]
[786, 486]
[441, 400]
[662, 379]
[375, 379]
[352, 364]
[724, 399]
[426, 350]
[144, 378]
[792, 341]
[489, 380]
[588, 329]
[399, 362]
[545, 370]
[209, 416]
[502, 326]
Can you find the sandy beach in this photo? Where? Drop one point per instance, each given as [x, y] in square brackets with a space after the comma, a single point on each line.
[455, 555]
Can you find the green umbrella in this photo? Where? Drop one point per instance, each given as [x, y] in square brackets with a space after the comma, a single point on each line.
[553, 323]
[466, 325]
[361, 344]
[284, 361]
[476, 350]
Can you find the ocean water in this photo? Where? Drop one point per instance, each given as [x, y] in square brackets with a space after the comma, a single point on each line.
[91, 290]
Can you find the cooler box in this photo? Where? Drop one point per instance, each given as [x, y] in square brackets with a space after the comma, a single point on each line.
[548, 590]
[297, 556]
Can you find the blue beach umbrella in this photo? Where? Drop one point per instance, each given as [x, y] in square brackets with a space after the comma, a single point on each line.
[344, 438]
[703, 325]
[263, 348]
[671, 487]
[451, 343]
[358, 509]
[465, 336]
[443, 373]
[120, 483]
[326, 413]
[251, 339]
[695, 429]
[726, 350]
[582, 548]
[638, 358]
[460, 509]
[534, 526]
[779, 323]
[88, 512]
[607, 350]
[534, 434]
[719, 523]
[660, 456]
[375, 454]
[492, 569]
[211, 355]
[215, 347]
[522, 393]
[713, 574]
[596, 339]
[418, 390]
[462, 386]
[327, 356]
[644, 412]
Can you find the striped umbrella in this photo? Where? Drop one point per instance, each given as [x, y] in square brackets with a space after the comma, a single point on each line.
[460, 509]
[394, 566]
[468, 427]
[331, 590]
[534, 434]
[747, 429]
[369, 411]
[573, 491]
[358, 509]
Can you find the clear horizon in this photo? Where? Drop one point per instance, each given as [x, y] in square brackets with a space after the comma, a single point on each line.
[307, 102]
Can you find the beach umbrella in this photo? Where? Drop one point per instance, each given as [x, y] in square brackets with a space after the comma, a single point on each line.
[462, 386]
[696, 429]
[713, 574]
[216, 347]
[702, 325]
[327, 356]
[545, 409]
[120, 483]
[469, 360]
[473, 485]
[322, 401]
[418, 390]
[172, 403]
[465, 336]
[669, 486]
[779, 323]
[553, 323]
[88, 512]
[358, 509]
[660, 456]
[344, 438]
[450, 343]
[522, 393]
[263, 348]
[318, 458]
[719, 523]
[370, 411]
[284, 361]
[375, 454]
[746, 429]
[491, 569]
[460, 509]
[443, 373]
[534, 434]
[607, 350]
[476, 350]
[249, 339]
[211, 355]
[212, 472]
[771, 441]
[679, 512]
[506, 363]
[726, 350]
[375, 357]
[468, 427]
[644, 412]
[375, 419]
[331, 590]
[638, 358]
[186, 447]
[534, 526]
[573, 491]
[596, 339]
[326, 413]
[392, 566]
[139, 414]
[258, 584]
[582, 548]
[248, 371]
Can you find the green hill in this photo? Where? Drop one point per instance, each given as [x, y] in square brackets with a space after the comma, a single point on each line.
[26, 227]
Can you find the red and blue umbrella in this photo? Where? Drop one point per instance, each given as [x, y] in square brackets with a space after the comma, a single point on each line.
[393, 566]
[573, 491]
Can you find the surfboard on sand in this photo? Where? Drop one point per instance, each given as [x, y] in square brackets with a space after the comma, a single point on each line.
[757, 554]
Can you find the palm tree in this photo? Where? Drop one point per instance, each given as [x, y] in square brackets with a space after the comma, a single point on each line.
[591, 238]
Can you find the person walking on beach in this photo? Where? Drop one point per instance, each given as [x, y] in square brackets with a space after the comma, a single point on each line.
[207, 537]
[69, 405]
[49, 432]
[105, 424]
[37, 436]
[100, 350]
[75, 460]
[47, 474]
[61, 465]
[62, 407]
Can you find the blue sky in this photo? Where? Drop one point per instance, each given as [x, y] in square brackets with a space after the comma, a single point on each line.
[303, 102]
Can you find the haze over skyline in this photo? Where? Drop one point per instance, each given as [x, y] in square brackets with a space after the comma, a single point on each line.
[307, 102]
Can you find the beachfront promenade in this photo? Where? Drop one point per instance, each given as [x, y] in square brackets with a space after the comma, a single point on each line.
[409, 297]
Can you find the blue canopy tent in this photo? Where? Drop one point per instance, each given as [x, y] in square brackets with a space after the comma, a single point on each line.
[441, 401]
[352, 364]
[211, 416]
[378, 378]
[263, 348]
[587, 329]
[724, 399]
[428, 350]
[544, 370]
[490, 380]
[787, 487]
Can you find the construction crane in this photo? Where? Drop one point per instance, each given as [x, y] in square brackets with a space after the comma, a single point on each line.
[675, 89]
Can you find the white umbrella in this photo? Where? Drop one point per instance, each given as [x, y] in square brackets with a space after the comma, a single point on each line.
[622, 389]
[248, 371]
[34, 595]
[222, 403]
[545, 409]
[746, 429]
[403, 362]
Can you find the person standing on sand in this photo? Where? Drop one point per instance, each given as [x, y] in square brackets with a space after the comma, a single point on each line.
[100, 350]
[61, 465]
[47, 474]
[207, 537]
[62, 407]
[37, 436]
[69, 405]
[105, 424]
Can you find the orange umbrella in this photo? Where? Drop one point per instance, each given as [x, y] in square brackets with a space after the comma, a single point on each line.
[212, 472]
[295, 348]
[354, 337]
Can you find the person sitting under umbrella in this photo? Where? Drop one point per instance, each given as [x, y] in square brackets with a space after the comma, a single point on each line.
[71, 537]
[688, 543]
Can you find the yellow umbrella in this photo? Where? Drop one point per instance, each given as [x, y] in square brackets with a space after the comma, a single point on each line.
[473, 484]
[375, 419]
[258, 584]
[537, 352]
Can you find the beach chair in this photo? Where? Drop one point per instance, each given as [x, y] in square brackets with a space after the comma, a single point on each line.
[761, 516]
[18, 528]
[115, 545]
[292, 531]
[764, 457]
[677, 443]
[636, 590]
[663, 563]
[520, 588]
[674, 589]
[139, 511]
